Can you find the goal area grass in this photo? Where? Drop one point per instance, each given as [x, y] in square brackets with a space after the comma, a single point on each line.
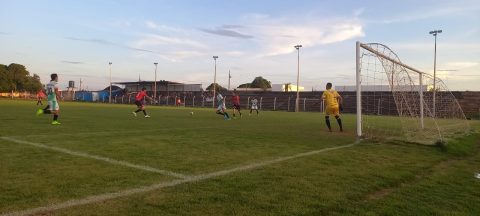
[104, 161]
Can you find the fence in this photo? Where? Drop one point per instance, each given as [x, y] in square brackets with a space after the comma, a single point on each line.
[271, 103]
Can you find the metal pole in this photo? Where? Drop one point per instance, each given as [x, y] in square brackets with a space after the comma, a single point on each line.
[304, 103]
[434, 75]
[359, 91]
[421, 100]
[298, 78]
[434, 33]
[229, 77]
[214, 81]
[274, 103]
[155, 84]
[110, 95]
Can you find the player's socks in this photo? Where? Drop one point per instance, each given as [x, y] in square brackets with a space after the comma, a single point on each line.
[55, 117]
[144, 112]
[138, 110]
[327, 121]
[226, 115]
[339, 121]
[257, 112]
[47, 112]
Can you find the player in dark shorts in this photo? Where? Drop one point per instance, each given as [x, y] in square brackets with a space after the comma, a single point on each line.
[139, 102]
[236, 103]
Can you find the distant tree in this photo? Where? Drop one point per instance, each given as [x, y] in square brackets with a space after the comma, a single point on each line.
[217, 88]
[245, 85]
[258, 82]
[5, 80]
[16, 77]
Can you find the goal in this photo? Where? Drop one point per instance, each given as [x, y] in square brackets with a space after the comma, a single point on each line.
[396, 101]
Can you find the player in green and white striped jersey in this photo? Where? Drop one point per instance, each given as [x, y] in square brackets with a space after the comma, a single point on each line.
[53, 95]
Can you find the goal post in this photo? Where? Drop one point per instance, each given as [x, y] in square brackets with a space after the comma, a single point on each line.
[395, 100]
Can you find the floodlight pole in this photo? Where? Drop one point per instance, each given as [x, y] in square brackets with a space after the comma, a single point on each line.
[229, 77]
[155, 83]
[110, 95]
[214, 81]
[434, 33]
[297, 101]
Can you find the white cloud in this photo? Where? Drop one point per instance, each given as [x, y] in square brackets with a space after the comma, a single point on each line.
[278, 38]
[428, 13]
[160, 27]
[153, 40]
[151, 24]
[460, 65]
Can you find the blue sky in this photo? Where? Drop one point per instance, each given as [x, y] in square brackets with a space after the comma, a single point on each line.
[253, 38]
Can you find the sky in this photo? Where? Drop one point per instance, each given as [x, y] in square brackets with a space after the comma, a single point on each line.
[77, 39]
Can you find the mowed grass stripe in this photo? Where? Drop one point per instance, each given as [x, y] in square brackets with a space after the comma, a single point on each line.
[109, 196]
[96, 157]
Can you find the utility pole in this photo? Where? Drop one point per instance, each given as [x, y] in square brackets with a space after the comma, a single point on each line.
[214, 81]
[110, 95]
[229, 77]
[297, 101]
[434, 33]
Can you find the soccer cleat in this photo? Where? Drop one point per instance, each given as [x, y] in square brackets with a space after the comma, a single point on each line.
[39, 112]
[134, 114]
[56, 123]
[147, 116]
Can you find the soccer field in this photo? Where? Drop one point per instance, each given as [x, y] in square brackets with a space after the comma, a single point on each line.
[104, 161]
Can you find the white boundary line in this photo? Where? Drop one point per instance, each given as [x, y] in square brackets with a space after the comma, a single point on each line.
[109, 196]
[114, 132]
[96, 157]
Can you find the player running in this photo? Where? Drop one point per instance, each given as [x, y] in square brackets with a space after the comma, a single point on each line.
[221, 109]
[139, 102]
[53, 95]
[333, 102]
[254, 105]
[236, 103]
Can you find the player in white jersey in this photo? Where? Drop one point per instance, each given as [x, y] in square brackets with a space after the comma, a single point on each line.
[222, 109]
[53, 96]
[254, 105]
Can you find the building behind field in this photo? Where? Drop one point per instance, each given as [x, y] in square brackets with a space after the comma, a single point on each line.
[162, 86]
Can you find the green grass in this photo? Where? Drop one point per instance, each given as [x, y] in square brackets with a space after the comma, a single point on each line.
[372, 178]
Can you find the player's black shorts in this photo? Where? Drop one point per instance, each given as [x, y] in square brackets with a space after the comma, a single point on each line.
[236, 106]
[139, 104]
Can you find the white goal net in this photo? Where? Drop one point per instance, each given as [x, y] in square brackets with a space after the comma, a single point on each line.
[397, 101]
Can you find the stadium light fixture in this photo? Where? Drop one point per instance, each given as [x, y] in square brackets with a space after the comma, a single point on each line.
[297, 101]
[155, 83]
[214, 80]
[110, 95]
[434, 33]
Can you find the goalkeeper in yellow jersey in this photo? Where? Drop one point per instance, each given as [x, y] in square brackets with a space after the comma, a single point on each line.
[333, 106]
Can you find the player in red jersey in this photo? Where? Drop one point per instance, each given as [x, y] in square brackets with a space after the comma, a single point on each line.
[139, 102]
[236, 103]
